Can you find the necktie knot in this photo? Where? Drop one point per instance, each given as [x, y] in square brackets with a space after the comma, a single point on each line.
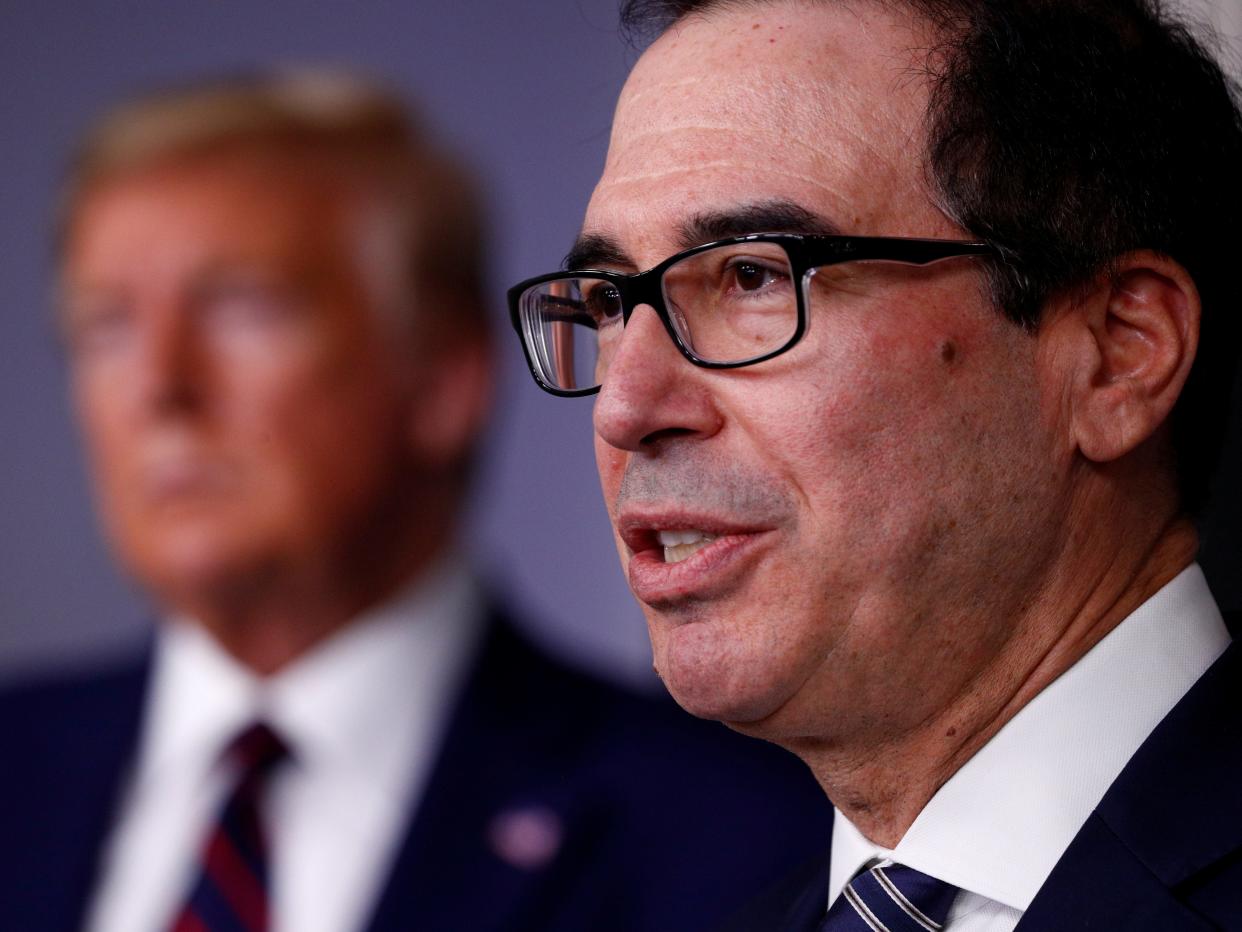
[257, 750]
[891, 898]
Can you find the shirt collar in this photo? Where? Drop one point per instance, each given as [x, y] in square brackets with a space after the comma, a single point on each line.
[851, 852]
[335, 706]
[1000, 824]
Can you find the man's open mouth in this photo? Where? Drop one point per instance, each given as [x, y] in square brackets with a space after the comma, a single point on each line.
[680, 545]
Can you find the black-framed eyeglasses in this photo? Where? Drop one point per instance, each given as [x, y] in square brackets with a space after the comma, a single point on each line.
[726, 304]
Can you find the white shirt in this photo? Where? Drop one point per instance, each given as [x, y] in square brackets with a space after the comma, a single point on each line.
[362, 715]
[1001, 823]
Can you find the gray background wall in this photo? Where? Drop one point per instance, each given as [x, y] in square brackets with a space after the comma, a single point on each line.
[525, 88]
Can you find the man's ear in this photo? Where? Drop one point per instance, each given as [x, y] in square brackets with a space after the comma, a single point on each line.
[1134, 332]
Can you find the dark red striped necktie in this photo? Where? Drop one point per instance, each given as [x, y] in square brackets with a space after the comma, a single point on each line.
[230, 892]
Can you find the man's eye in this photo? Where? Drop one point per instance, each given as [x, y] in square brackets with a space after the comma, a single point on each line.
[97, 325]
[752, 275]
[603, 303]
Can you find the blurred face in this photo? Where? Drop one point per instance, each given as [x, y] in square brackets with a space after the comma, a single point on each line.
[836, 541]
[241, 397]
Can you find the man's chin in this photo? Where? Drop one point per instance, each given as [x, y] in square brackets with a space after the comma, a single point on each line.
[714, 679]
[190, 570]
[741, 713]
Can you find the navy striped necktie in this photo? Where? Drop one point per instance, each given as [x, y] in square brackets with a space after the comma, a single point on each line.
[891, 898]
[230, 891]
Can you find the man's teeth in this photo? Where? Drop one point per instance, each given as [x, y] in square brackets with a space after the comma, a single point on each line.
[679, 545]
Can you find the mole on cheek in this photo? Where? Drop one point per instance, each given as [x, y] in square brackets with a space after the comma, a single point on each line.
[948, 352]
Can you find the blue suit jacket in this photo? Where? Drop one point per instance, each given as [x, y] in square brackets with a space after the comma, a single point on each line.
[668, 823]
[1161, 853]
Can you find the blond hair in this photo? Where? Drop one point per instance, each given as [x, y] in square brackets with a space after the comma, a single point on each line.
[361, 131]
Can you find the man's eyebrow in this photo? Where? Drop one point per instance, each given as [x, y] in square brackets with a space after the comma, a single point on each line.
[776, 216]
[599, 250]
[595, 250]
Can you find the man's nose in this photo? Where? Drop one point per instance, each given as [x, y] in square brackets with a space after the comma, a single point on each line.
[651, 392]
[171, 365]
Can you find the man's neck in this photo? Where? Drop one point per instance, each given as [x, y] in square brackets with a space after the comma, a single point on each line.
[268, 622]
[883, 787]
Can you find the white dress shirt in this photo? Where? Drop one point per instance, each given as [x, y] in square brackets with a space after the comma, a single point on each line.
[362, 715]
[1001, 823]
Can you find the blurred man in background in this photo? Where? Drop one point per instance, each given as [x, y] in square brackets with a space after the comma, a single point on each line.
[272, 303]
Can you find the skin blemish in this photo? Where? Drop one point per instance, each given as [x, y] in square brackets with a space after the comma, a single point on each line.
[948, 352]
[951, 732]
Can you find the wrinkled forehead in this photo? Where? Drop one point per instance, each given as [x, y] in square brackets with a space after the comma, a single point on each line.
[754, 102]
[819, 104]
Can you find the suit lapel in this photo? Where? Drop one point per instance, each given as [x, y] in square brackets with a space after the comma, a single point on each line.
[1173, 815]
[59, 806]
[500, 827]
[1099, 884]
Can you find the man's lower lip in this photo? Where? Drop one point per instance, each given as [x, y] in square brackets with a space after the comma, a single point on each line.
[706, 572]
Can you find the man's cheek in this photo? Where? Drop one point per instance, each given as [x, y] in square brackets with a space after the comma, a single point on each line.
[611, 465]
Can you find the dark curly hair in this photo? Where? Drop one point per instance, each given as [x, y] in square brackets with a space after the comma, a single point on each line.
[1067, 133]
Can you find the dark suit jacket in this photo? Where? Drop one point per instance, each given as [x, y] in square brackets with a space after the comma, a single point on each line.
[667, 823]
[1161, 853]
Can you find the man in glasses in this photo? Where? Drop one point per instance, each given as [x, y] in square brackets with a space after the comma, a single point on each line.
[913, 327]
[274, 318]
